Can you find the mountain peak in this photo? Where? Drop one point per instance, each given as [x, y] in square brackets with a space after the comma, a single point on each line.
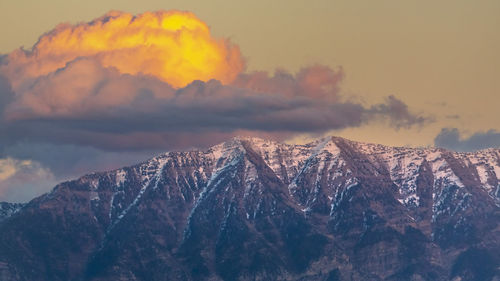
[255, 209]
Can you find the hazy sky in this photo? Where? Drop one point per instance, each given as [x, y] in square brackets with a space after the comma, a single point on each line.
[439, 59]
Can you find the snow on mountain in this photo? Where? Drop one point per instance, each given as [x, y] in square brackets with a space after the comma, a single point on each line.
[310, 210]
[325, 160]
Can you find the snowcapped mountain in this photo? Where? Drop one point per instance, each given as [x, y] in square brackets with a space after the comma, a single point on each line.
[253, 209]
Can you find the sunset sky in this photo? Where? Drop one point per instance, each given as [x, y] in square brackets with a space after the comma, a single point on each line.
[101, 84]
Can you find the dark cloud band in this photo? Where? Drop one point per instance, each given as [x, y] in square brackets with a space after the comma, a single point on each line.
[105, 109]
[450, 138]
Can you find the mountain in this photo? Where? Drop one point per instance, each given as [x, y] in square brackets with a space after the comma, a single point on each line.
[252, 209]
[8, 209]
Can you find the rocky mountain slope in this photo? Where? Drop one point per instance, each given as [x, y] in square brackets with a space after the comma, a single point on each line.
[8, 209]
[251, 209]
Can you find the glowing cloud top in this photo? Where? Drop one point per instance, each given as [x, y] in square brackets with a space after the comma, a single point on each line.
[173, 46]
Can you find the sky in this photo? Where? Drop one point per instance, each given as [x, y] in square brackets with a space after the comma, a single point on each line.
[94, 85]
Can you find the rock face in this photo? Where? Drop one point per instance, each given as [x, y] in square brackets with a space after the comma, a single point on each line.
[251, 209]
[8, 209]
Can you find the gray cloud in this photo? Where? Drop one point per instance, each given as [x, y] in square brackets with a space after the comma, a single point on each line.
[398, 114]
[450, 138]
[6, 93]
[86, 104]
[74, 160]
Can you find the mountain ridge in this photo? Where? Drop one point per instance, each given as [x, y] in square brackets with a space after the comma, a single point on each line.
[300, 212]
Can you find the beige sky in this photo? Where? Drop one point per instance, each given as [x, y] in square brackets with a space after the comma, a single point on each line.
[440, 57]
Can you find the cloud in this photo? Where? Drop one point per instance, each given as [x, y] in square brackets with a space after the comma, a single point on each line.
[85, 103]
[98, 84]
[174, 46]
[21, 180]
[450, 138]
[68, 160]
[7, 169]
[94, 96]
[6, 94]
[82, 87]
[398, 114]
[317, 81]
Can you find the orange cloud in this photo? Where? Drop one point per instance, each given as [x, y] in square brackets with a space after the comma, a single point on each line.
[173, 46]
